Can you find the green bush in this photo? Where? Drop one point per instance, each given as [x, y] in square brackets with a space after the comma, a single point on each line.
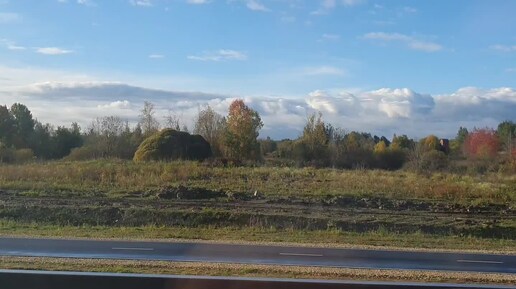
[434, 160]
[391, 159]
[23, 155]
[6, 154]
[83, 153]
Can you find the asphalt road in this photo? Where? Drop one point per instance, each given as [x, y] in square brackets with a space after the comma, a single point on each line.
[78, 280]
[251, 254]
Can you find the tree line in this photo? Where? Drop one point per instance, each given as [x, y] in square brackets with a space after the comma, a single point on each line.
[236, 137]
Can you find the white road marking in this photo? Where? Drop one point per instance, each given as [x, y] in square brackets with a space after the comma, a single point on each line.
[136, 249]
[301, 254]
[480, 261]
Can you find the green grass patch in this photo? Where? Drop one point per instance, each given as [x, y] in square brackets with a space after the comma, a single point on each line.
[379, 238]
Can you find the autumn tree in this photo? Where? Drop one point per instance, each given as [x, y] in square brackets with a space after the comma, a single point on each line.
[389, 157]
[316, 138]
[424, 155]
[482, 144]
[110, 137]
[243, 126]
[148, 122]
[402, 142]
[380, 148]
[211, 125]
[430, 143]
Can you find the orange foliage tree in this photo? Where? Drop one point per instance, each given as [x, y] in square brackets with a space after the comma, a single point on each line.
[482, 144]
[243, 126]
[430, 143]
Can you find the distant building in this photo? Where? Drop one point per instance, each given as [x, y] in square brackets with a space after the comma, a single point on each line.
[444, 145]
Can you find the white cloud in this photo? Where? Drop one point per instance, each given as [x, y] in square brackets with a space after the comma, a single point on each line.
[119, 104]
[409, 41]
[256, 6]
[144, 3]
[102, 90]
[220, 55]
[8, 17]
[323, 71]
[156, 56]
[197, 1]
[342, 103]
[384, 111]
[53, 51]
[11, 45]
[503, 48]
[473, 104]
[15, 47]
[399, 103]
[510, 70]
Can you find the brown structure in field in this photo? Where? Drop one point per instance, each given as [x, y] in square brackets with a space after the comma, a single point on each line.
[444, 145]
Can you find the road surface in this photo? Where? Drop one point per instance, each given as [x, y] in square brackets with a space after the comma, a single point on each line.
[78, 280]
[254, 254]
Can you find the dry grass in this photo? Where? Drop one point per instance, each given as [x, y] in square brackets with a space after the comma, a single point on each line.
[126, 176]
[220, 269]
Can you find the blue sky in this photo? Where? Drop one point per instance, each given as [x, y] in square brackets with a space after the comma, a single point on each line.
[406, 60]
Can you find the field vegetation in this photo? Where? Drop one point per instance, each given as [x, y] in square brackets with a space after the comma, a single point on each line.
[114, 198]
[329, 186]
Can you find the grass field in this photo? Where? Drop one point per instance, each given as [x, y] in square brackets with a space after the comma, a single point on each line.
[189, 200]
[122, 177]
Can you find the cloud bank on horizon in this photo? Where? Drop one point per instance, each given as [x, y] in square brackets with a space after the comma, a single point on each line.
[383, 111]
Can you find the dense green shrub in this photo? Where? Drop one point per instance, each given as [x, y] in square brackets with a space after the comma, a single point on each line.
[434, 160]
[23, 155]
[83, 153]
[9, 155]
